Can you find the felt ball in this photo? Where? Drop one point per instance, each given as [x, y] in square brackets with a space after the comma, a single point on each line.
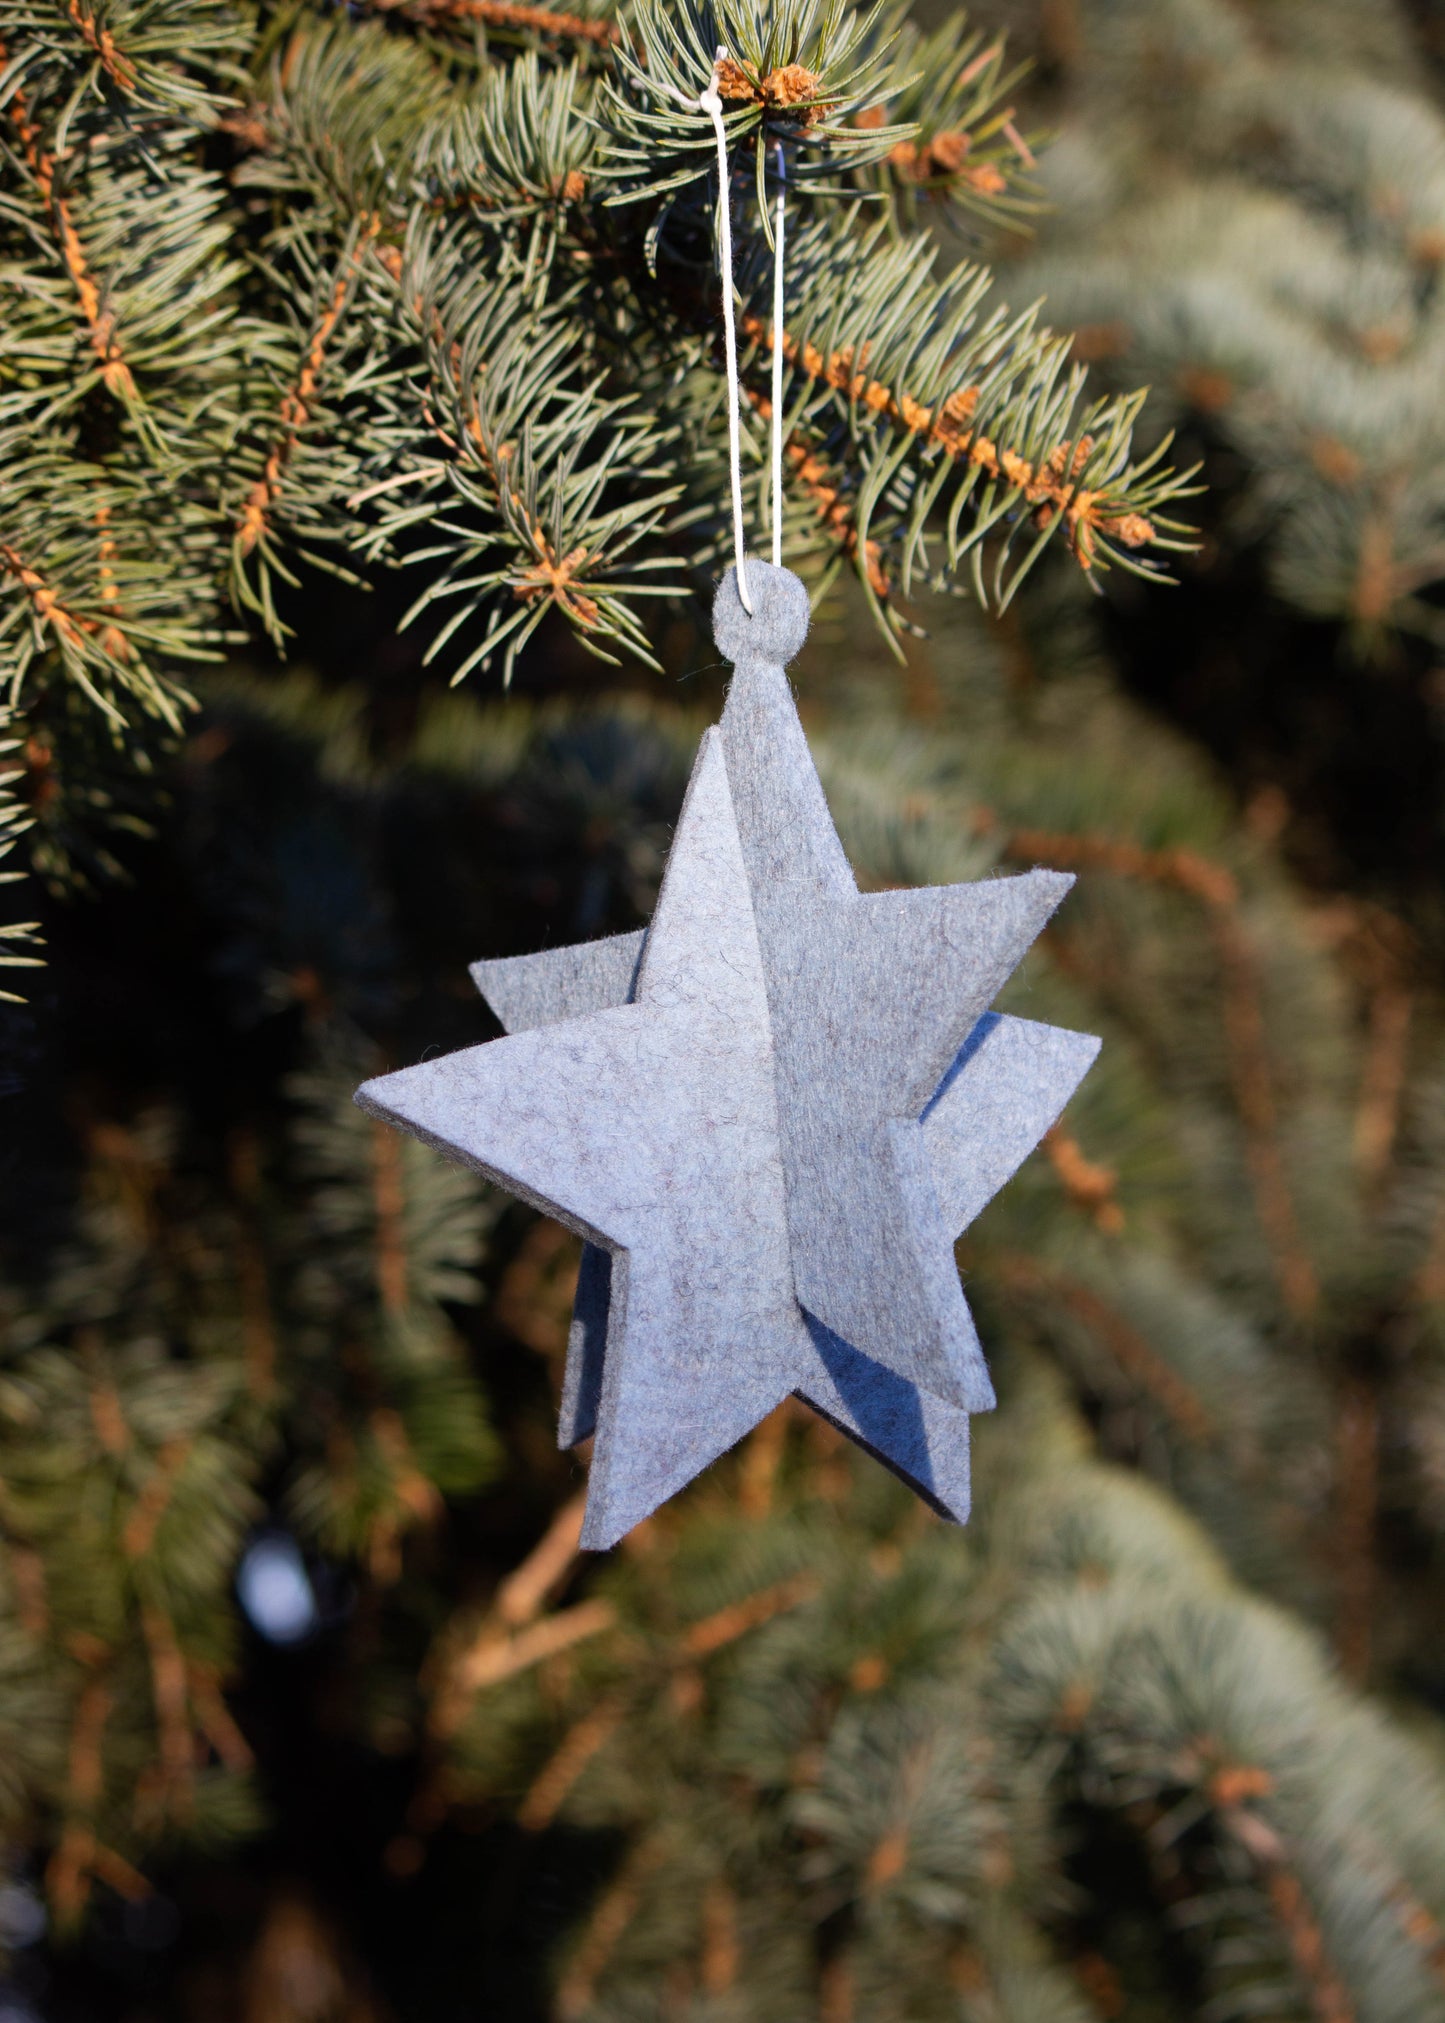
[778, 624]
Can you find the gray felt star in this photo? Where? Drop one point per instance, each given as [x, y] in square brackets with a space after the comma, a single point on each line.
[664, 1094]
[651, 1128]
[871, 997]
[918, 1436]
[1007, 1086]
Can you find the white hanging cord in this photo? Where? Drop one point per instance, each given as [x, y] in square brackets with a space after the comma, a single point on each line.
[778, 362]
[711, 103]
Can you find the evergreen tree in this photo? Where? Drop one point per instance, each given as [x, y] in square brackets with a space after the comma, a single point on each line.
[289, 1584]
[1247, 209]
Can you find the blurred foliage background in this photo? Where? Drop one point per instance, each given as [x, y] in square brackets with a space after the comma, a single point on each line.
[310, 1712]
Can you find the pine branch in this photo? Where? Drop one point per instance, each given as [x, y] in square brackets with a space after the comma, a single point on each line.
[550, 22]
[965, 149]
[19, 935]
[158, 58]
[794, 74]
[1244, 1026]
[948, 412]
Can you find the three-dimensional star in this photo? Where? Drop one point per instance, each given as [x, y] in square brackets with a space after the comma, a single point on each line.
[1008, 1084]
[651, 1128]
[871, 997]
[770, 1115]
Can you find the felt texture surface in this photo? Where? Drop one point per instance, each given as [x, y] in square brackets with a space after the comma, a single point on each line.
[1008, 1084]
[918, 1436]
[651, 1128]
[769, 1115]
[560, 983]
[871, 997]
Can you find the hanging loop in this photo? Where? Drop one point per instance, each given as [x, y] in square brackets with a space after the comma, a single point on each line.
[711, 103]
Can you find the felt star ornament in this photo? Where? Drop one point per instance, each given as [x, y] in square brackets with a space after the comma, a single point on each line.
[670, 1095]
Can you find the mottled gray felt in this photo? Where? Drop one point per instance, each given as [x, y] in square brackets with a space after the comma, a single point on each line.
[560, 983]
[871, 997]
[652, 1129]
[782, 1084]
[1009, 1083]
[913, 1433]
[526, 991]
[916, 1435]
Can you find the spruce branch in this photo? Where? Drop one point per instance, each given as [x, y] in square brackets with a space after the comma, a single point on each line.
[1252, 1072]
[564, 481]
[522, 144]
[965, 149]
[19, 935]
[433, 258]
[115, 373]
[123, 598]
[796, 74]
[957, 416]
[153, 58]
[322, 383]
[552, 23]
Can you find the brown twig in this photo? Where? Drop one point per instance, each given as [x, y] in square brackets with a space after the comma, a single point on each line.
[721, 1952]
[1089, 1186]
[761, 1455]
[1328, 1997]
[214, 1718]
[1049, 486]
[495, 1654]
[518, 1601]
[114, 372]
[68, 1876]
[553, 1783]
[534, 1298]
[1420, 1927]
[388, 1194]
[1062, 31]
[1185, 870]
[702, 1639]
[151, 1504]
[1217, 891]
[112, 639]
[1382, 1084]
[551, 575]
[297, 404]
[521, 1595]
[836, 1990]
[27, 1579]
[490, 1659]
[106, 1414]
[505, 14]
[1357, 1434]
[1133, 1354]
[412, 1489]
[822, 485]
[1430, 1279]
[615, 1910]
[70, 626]
[1254, 1096]
[172, 1703]
[118, 68]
